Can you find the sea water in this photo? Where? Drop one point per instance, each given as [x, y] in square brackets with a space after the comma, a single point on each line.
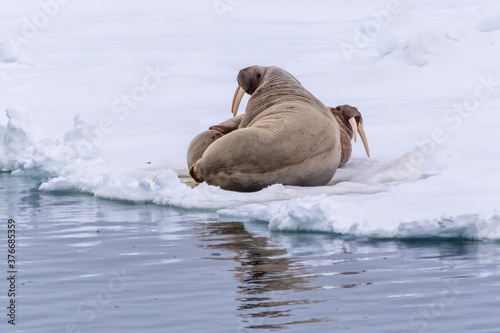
[86, 264]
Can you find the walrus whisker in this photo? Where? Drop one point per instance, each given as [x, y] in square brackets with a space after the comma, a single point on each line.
[238, 96]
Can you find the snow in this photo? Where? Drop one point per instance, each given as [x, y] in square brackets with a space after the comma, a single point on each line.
[104, 98]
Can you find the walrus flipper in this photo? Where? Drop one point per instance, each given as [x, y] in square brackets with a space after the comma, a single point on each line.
[201, 142]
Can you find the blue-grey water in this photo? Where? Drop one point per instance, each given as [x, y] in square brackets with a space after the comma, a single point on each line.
[92, 265]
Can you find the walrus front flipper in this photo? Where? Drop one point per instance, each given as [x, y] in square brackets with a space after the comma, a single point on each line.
[228, 126]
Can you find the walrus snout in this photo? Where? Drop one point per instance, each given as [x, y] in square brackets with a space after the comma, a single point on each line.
[349, 112]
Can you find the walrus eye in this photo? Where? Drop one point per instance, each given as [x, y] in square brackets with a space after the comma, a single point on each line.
[258, 75]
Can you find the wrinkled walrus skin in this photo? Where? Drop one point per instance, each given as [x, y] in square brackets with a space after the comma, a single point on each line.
[285, 136]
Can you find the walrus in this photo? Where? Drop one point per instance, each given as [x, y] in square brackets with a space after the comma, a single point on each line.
[285, 136]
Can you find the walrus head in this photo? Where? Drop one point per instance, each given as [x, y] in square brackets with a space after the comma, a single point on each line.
[249, 80]
[351, 121]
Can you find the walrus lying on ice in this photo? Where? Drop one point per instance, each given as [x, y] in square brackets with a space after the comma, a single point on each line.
[286, 136]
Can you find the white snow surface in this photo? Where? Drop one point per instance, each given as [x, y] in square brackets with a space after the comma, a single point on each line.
[104, 98]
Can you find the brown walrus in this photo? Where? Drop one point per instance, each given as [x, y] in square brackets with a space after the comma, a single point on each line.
[286, 136]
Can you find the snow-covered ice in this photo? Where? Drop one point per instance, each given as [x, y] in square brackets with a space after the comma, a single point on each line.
[104, 98]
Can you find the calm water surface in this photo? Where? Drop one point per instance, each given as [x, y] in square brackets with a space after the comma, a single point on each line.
[92, 265]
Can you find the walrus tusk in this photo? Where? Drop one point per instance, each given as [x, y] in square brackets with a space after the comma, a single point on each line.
[354, 127]
[238, 95]
[363, 138]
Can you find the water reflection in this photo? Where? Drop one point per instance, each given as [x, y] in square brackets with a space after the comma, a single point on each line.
[265, 273]
[70, 243]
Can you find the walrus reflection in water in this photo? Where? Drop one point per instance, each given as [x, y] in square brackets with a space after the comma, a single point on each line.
[286, 136]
